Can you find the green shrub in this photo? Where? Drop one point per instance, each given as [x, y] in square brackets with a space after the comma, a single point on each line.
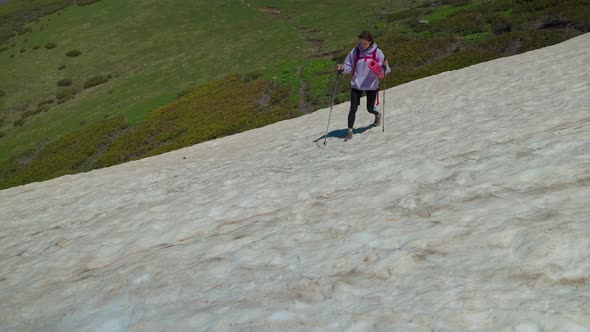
[213, 110]
[2, 134]
[64, 82]
[26, 114]
[94, 81]
[15, 16]
[408, 14]
[50, 45]
[61, 67]
[86, 2]
[419, 52]
[73, 53]
[251, 76]
[181, 94]
[46, 102]
[22, 50]
[504, 44]
[43, 108]
[456, 2]
[462, 23]
[2, 93]
[499, 23]
[72, 153]
[36, 47]
[65, 94]
[532, 40]
[18, 122]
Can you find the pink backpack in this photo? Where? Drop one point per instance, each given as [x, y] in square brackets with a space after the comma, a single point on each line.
[357, 57]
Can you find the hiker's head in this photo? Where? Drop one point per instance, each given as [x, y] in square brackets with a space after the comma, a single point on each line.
[366, 39]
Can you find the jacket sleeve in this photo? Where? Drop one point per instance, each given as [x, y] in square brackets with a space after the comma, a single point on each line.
[349, 62]
[381, 58]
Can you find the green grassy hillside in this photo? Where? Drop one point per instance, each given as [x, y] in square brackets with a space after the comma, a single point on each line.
[144, 84]
[153, 50]
[210, 111]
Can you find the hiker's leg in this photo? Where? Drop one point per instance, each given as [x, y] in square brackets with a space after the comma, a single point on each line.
[371, 100]
[355, 100]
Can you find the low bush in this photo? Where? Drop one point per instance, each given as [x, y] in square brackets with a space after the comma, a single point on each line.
[216, 109]
[50, 45]
[64, 82]
[251, 76]
[181, 94]
[46, 102]
[72, 153]
[65, 94]
[73, 53]
[461, 23]
[18, 122]
[86, 2]
[94, 81]
[456, 2]
[531, 40]
[26, 114]
[43, 108]
[499, 23]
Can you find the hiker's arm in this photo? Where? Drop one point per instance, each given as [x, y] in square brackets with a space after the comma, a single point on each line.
[347, 66]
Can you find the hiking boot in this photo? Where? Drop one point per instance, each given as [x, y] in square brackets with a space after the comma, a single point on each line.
[377, 120]
[348, 136]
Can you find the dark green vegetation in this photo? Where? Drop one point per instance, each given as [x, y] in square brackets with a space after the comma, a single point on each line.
[452, 34]
[17, 13]
[285, 74]
[72, 153]
[95, 80]
[64, 82]
[208, 112]
[73, 53]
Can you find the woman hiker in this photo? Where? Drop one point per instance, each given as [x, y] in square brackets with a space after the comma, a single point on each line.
[363, 78]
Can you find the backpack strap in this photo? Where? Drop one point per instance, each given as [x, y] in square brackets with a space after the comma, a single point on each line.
[357, 57]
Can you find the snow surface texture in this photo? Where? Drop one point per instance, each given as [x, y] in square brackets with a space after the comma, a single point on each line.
[471, 212]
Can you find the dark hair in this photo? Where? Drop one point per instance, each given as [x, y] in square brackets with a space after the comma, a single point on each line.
[366, 35]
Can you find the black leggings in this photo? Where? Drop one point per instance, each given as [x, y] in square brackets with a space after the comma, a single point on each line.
[355, 100]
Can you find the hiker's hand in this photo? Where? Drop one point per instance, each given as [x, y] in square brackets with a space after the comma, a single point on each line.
[340, 67]
[385, 63]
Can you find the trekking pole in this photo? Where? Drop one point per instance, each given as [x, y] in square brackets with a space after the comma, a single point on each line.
[383, 116]
[333, 99]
